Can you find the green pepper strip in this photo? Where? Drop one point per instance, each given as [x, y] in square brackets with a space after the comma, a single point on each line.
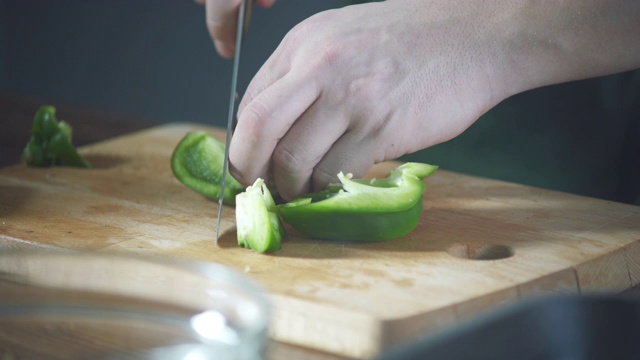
[362, 210]
[50, 143]
[197, 162]
[259, 227]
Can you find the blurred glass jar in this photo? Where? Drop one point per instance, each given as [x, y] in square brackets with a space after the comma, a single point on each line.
[96, 306]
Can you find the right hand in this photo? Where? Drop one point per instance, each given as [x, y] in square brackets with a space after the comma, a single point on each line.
[343, 92]
[222, 20]
[351, 87]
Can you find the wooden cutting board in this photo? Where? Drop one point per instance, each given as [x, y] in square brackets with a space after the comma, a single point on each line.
[481, 243]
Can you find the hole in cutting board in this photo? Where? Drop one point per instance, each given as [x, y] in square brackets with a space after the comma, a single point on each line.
[479, 251]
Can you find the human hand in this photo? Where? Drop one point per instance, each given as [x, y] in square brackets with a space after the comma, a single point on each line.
[356, 86]
[352, 87]
[222, 22]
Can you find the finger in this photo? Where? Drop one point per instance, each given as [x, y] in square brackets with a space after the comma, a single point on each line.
[200, 2]
[353, 153]
[264, 121]
[302, 148]
[222, 19]
[276, 67]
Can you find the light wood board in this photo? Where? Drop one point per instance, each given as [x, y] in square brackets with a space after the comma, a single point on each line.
[351, 299]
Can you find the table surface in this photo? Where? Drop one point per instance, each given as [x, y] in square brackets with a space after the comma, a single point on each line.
[18, 112]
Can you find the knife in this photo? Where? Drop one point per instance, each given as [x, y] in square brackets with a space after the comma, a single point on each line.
[243, 20]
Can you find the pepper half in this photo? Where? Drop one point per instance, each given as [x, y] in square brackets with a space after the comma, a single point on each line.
[50, 143]
[197, 161]
[362, 210]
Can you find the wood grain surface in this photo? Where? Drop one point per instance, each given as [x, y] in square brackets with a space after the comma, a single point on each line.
[480, 243]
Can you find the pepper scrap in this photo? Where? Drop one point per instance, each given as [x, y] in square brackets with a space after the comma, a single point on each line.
[362, 210]
[197, 162]
[257, 222]
[50, 143]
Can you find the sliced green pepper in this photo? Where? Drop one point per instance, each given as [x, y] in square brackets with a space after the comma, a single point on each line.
[197, 161]
[50, 143]
[257, 222]
[362, 210]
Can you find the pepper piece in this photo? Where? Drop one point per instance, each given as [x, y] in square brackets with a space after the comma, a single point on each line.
[197, 162]
[258, 224]
[362, 210]
[50, 143]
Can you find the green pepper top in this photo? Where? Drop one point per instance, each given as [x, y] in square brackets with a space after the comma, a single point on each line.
[50, 143]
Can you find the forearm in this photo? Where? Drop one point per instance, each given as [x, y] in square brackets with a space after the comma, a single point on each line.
[567, 40]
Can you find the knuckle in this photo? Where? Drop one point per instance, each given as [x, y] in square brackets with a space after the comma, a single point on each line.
[254, 118]
[328, 49]
[372, 86]
[287, 160]
[363, 90]
[301, 31]
[329, 54]
[246, 100]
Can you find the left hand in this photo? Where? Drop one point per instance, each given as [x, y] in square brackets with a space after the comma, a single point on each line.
[222, 20]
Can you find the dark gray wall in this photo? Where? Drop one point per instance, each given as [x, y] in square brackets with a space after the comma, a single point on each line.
[155, 59]
[4, 24]
[142, 57]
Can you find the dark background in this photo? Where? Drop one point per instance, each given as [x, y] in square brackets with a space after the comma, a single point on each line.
[147, 62]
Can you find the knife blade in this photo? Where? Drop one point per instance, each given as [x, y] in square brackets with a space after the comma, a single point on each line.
[243, 20]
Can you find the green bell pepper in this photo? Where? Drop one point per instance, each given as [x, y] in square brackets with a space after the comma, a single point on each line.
[362, 210]
[50, 143]
[257, 222]
[197, 162]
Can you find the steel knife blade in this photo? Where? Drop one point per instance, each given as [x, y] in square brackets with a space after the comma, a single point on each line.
[243, 20]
